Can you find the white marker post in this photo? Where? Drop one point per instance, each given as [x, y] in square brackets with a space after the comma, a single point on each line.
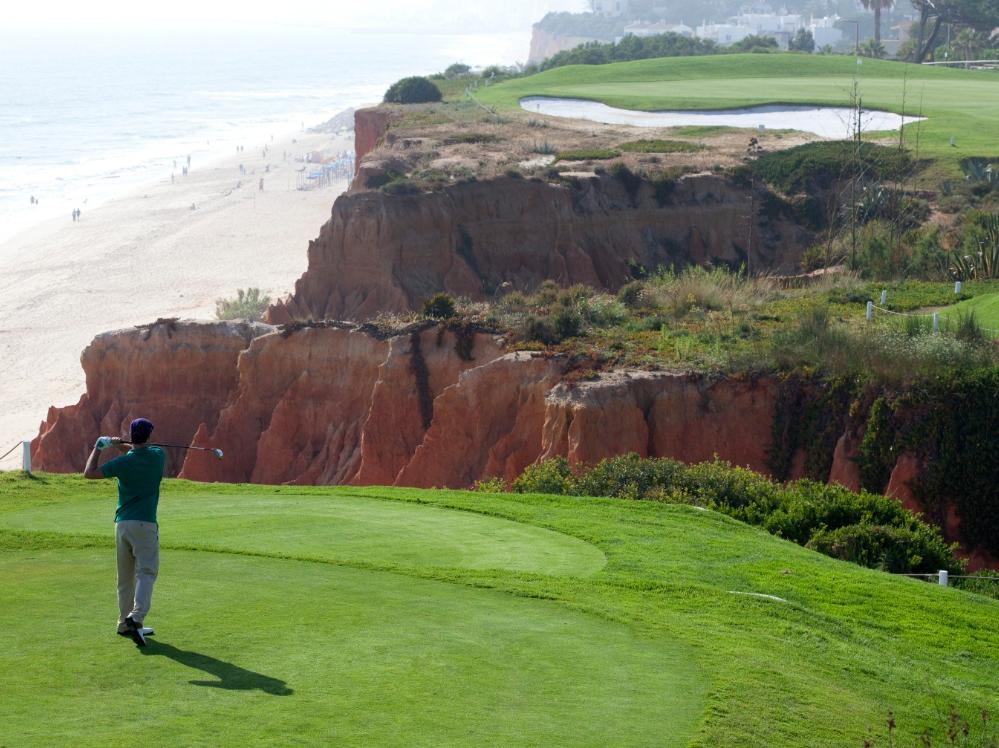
[942, 578]
[884, 297]
[26, 458]
[870, 310]
[936, 323]
[957, 287]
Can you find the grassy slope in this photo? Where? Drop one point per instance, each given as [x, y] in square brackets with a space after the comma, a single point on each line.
[959, 103]
[986, 309]
[419, 647]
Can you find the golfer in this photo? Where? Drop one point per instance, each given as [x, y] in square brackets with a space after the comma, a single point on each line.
[139, 472]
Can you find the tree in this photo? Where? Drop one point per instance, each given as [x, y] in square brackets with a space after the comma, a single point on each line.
[754, 43]
[872, 48]
[877, 6]
[803, 41]
[413, 90]
[982, 15]
[457, 70]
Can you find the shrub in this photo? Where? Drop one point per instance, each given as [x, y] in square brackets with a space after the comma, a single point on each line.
[870, 530]
[551, 477]
[898, 550]
[401, 186]
[471, 137]
[567, 323]
[248, 304]
[632, 294]
[413, 90]
[588, 154]
[660, 146]
[439, 306]
[490, 485]
[457, 70]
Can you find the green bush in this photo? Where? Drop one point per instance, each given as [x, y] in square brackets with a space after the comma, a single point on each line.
[661, 146]
[457, 70]
[551, 477]
[439, 306]
[401, 186]
[867, 529]
[817, 166]
[413, 90]
[588, 154]
[898, 550]
[248, 304]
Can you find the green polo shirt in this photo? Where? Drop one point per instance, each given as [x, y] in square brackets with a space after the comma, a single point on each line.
[139, 473]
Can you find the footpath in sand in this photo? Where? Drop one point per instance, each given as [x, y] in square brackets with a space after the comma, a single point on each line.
[145, 256]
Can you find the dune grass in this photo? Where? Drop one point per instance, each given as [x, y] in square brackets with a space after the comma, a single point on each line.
[297, 615]
[957, 103]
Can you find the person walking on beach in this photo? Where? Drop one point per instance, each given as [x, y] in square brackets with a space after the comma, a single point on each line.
[139, 472]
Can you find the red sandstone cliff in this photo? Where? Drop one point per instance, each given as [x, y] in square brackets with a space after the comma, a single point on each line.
[339, 404]
[370, 125]
[384, 252]
[178, 374]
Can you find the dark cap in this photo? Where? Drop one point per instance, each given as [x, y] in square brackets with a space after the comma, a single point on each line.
[141, 429]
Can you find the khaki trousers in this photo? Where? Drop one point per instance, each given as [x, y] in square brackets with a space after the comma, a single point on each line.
[138, 546]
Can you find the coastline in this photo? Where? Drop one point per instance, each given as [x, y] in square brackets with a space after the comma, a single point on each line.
[146, 255]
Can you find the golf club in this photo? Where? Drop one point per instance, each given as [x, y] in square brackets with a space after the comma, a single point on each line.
[217, 452]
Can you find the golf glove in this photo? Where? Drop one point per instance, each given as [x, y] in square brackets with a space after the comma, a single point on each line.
[103, 443]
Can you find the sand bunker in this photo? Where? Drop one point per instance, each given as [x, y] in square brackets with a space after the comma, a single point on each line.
[827, 122]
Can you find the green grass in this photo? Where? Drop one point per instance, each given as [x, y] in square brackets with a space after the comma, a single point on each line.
[985, 308]
[958, 103]
[588, 154]
[374, 616]
[661, 146]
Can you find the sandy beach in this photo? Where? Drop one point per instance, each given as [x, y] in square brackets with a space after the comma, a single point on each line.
[149, 255]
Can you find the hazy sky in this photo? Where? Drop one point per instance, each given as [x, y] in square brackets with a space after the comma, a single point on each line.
[444, 15]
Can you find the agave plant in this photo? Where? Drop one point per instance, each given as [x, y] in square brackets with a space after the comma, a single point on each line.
[983, 264]
[981, 171]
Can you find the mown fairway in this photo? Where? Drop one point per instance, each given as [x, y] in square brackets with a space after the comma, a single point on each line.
[985, 308]
[297, 616]
[959, 103]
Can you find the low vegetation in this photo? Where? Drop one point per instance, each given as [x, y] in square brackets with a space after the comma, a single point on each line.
[249, 304]
[413, 90]
[866, 529]
[661, 146]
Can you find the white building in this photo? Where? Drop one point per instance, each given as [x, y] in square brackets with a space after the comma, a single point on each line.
[654, 29]
[610, 7]
[781, 26]
[723, 33]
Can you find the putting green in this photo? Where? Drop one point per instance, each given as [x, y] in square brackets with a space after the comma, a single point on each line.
[344, 528]
[271, 652]
[959, 104]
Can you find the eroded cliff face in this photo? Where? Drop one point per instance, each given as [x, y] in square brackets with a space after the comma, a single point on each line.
[370, 125]
[178, 374]
[391, 252]
[337, 403]
[544, 44]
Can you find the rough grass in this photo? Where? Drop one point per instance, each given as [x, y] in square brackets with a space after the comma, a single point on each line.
[957, 103]
[720, 321]
[324, 644]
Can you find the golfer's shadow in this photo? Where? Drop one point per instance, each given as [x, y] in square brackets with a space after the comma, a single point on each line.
[230, 677]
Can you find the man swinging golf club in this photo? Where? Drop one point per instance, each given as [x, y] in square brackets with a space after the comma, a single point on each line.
[139, 472]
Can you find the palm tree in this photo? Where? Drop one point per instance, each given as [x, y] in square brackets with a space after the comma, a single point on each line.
[877, 6]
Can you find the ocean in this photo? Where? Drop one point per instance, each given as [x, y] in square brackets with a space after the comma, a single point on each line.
[90, 115]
